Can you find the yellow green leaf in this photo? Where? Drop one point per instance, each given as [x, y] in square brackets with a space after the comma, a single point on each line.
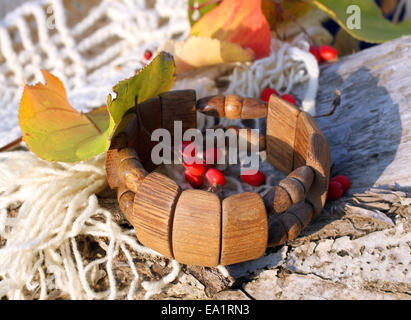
[54, 130]
[156, 78]
[373, 27]
[203, 7]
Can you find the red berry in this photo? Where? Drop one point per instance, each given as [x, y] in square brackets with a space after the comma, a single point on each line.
[315, 52]
[266, 94]
[328, 53]
[148, 54]
[195, 169]
[253, 178]
[345, 182]
[211, 156]
[289, 98]
[215, 177]
[335, 190]
[195, 181]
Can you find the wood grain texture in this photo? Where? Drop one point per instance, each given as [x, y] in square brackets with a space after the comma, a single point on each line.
[253, 109]
[304, 212]
[154, 206]
[150, 114]
[125, 199]
[213, 106]
[318, 158]
[312, 149]
[178, 106]
[281, 130]
[291, 224]
[112, 160]
[305, 175]
[276, 200]
[277, 234]
[233, 106]
[197, 228]
[244, 228]
[294, 188]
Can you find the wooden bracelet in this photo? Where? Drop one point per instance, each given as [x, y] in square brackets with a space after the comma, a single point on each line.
[195, 227]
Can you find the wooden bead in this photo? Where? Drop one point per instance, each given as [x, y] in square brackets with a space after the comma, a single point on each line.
[281, 130]
[291, 224]
[304, 212]
[253, 109]
[178, 105]
[305, 175]
[127, 153]
[277, 201]
[153, 213]
[197, 228]
[277, 235]
[112, 161]
[312, 149]
[151, 117]
[125, 199]
[212, 106]
[233, 106]
[294, 189]
[244, 228]
[282, 200]
[135, 178]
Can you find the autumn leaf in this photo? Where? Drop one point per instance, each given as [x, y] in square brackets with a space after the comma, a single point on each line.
[374, 28]
[54, 130]
[158, 77]
[237, 21]
[203, 7]
[198, 52]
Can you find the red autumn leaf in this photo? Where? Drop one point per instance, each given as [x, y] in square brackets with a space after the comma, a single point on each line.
[237, 21]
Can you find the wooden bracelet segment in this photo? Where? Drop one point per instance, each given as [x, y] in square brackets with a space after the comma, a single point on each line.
[305, 175]
[294, 188]
[311, 149]
[125, 199]
[304, 212]
[281, 130]
[197, 228]
[277, 200]
[150, 114]
[213, 106]
[253, 109]
[244, 228]
[178, 105]
[291, 224]
[232, 106]
[153, 213]
[112, 161]
[277, 234]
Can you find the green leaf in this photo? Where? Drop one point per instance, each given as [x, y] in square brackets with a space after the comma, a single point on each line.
[374, 27]
[156, 78]
[204, 5]
[54, 130]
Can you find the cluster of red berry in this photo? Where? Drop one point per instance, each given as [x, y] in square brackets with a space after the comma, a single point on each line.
[195, 170]
[267, 92]
[324, 53]
[337, 186]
